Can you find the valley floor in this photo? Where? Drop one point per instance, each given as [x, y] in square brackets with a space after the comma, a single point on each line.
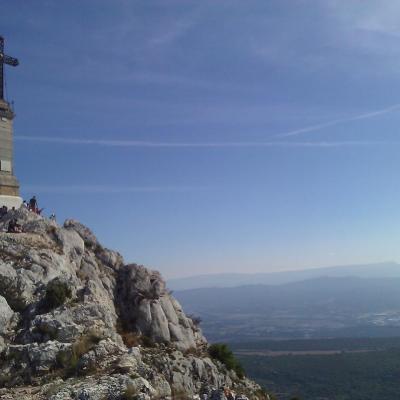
[326, 369]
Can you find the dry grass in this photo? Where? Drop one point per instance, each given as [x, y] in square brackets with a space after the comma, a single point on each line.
[70, 360]
[130, 339]
[193, 351]
[130, 393]
[179, 394]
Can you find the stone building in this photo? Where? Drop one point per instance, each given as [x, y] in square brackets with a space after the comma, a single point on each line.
[9, 187]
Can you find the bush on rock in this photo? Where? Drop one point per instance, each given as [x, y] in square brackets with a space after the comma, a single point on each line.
[57, 292]
[221, 352]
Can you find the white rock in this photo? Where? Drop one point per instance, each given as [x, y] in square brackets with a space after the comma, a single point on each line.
[6, 315]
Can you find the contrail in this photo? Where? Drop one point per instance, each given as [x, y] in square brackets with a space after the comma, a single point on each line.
[99, 189]
[296, 132]
[339, 121]
[148, 144]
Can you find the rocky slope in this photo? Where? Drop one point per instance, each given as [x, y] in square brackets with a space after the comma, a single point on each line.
[77, 322]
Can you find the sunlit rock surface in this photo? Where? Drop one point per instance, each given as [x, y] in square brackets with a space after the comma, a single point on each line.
[77, 322]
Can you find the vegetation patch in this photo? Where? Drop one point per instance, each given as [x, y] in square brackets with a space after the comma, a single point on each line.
[57, 293]
[46, 331]
[134, 339]
[364, 369]
[222, 353]
[147, 341]
[193, 351]
[69, 360]
[130, 339]
[130, 393]
[180, 394]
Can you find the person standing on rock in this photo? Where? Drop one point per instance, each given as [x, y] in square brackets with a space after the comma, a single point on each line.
[3, 211]
[33, 205]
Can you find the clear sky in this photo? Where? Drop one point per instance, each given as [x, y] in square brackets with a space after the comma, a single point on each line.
[213, 136]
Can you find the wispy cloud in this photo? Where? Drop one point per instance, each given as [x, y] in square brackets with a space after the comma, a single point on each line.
[173, 32]
[368, 15]
[355, 37]
[109, 189]
[148, 144]
[334, 122]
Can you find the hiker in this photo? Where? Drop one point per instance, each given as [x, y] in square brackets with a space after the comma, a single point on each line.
[3, 211]
[33, 205]
[14, 226]
[25, 204]
[53, 217]
[11, 226]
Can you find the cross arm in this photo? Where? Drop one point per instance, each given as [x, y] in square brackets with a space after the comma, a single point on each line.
[9, 60]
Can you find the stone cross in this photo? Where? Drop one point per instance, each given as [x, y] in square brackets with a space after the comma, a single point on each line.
[4, 59]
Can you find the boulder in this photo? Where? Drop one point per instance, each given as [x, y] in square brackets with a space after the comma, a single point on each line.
[145, 306]
[6, 316]
[84, 232]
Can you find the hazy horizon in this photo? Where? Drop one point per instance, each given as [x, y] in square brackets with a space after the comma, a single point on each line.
[278, 270]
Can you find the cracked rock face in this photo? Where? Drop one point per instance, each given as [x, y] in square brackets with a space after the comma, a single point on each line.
[147, 308]
[77, 322]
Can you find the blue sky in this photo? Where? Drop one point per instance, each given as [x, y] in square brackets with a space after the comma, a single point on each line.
[213, 136]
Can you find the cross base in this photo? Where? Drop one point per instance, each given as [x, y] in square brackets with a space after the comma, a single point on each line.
[10, 201]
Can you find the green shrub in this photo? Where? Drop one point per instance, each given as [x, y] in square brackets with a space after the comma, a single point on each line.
[221, 352]
[147, 341]
[57, 292]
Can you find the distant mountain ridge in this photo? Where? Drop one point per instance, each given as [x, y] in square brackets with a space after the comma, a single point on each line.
[353, 294]
[317, 307]
[374, 270]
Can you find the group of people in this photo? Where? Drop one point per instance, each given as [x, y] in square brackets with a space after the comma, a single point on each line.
[32, 205]
[13, 225]
[4, 210]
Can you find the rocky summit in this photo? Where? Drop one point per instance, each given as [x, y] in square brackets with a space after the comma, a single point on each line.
[77, 322]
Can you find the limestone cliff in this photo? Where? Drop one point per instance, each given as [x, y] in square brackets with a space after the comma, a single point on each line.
[77, 322]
